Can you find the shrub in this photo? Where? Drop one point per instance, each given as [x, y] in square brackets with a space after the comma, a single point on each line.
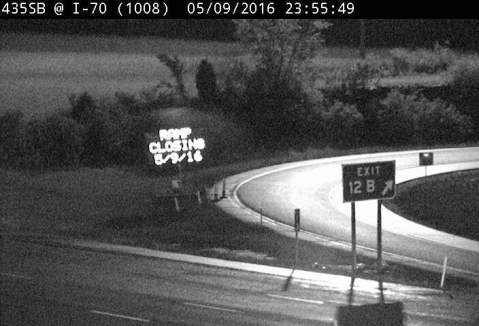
[465, 87]
[349, 85]
[422, 60]
[30, 145]
[233, 86]
[381, 65]
[406, 119]
[100, 139]
[98, 129]
[130, 140]
[147, 100]
[206, 83]
[440, 122]
[354, 86]
[342, 124]
[396, 118]
[282, 45]
[177, 69]
[113, 130]
[56, 141]
[269, 106]
[129, 103]
[10, 129]
[83, 107]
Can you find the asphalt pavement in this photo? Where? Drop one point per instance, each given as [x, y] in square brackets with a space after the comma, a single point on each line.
[52, 284]
[315, 188]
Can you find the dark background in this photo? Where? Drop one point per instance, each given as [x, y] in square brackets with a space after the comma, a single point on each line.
[457, 33]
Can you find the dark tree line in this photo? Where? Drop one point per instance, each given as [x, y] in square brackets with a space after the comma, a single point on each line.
[457, 33]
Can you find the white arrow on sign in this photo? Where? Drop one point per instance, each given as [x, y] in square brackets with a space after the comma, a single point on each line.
[389, 186]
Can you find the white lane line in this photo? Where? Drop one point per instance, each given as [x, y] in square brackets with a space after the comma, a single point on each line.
[431, 315]
[295, 299]
[119, 316]
[209, 307]
[16, 276]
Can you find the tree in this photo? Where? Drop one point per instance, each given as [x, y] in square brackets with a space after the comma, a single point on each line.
[10, 130]
[177, 69]
[206, 82]
[282, 45]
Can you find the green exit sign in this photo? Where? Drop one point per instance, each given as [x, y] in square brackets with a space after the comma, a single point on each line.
[365, 181]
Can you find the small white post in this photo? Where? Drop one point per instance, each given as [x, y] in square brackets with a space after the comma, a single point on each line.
[177, 204]
[443, 276]
[198, 196]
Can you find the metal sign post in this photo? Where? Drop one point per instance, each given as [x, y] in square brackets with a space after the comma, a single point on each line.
[365, 181]
[296, 229]
[380, 240]
[425, 159]
[353, 237]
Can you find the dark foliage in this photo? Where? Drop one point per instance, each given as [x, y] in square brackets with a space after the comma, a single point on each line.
[10, 131]
[83, 108]
[460, 33]
[54, 142]
[465, 87]
[177, 69]
[273, 109]
[412, 119]
[206, 83]
[342, 124]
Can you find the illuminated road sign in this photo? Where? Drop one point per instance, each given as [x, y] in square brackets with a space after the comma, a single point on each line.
[364, 181]
[426, 158]
[174, 146]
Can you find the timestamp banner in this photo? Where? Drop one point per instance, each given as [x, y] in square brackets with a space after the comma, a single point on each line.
[178, 9]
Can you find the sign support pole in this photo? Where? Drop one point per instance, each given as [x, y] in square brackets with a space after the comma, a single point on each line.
[296, 229]
[223, 193]
[380, 244]
[296, 251]
[425, 188]
[353, 236]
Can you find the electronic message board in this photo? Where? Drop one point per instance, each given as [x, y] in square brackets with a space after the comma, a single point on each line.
[175, 146]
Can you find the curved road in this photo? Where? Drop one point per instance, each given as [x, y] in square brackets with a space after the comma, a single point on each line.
[315, 187]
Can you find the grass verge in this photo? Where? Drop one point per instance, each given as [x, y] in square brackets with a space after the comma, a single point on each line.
[447, 202]
[207, 231]
[120, 206]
